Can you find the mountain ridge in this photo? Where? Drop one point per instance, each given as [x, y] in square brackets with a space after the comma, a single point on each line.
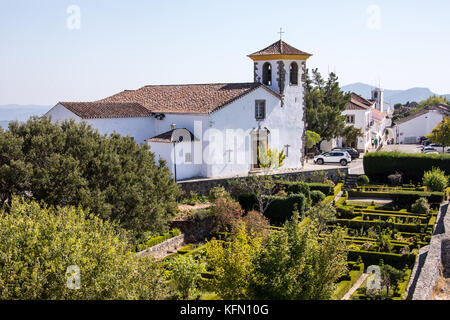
[393, 97]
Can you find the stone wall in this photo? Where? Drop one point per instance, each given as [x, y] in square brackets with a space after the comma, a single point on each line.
[433, 260]
[202, 186]
[161, 250]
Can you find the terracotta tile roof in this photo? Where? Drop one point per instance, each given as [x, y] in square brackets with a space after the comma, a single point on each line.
[378, 113]
[190, 98]
[358, 103]
[166, 137]
[279, 47]
[92, 110]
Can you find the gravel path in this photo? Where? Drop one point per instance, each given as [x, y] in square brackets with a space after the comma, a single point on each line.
[355, 286]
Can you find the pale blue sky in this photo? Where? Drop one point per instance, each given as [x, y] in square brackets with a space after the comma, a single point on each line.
[129, 44]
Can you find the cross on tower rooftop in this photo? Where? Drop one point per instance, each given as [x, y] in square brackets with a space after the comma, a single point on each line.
[281, 33]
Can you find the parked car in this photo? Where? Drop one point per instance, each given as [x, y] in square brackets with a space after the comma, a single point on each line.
[428, 149]
[351, 151]
[342, 157]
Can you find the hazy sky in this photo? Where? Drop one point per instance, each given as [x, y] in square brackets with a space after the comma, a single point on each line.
[121, 45]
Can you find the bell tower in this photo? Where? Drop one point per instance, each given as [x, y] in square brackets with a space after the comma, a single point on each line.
[279, 66]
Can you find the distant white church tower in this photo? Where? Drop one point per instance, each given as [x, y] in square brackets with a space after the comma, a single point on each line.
[378, 97]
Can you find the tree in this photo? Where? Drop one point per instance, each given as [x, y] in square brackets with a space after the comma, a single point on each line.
[390, 277]
[441, 134]
[312, 139]
[232, 264]
[293, 265]
[185, 272]
[321, 214]
[68, 253]
[351, 135]
[226, 214]
[259, 186]
[324, 105]
[72, 164]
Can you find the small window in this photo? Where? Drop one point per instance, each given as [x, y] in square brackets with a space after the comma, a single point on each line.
[267, 74]
[187, 157]
[260, 109]
[350, 119]
[293, 74]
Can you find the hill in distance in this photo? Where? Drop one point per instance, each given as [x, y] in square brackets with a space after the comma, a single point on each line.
[393, 96]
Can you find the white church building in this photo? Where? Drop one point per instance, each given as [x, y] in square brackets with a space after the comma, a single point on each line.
[211, 130]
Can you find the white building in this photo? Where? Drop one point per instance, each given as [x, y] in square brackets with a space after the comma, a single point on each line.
[363, 114]
[211, 130]
[409, 129]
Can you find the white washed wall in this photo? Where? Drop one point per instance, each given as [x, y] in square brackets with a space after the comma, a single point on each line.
[420, 126]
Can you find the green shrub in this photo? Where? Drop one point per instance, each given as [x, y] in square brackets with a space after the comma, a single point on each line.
[378, 165]
[363, 180]
[435, 180]
[317, 196]
[216, 193]
[421, 206]
[325, 188]
[294, 187]
[281, 208]
[247, 201]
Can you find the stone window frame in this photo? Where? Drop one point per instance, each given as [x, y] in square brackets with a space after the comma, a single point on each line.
[267, 74]
[293, 75]
[257, 113]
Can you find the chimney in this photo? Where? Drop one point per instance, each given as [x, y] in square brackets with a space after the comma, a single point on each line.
[173, 126]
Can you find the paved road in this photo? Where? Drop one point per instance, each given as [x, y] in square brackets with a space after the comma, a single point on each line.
[407, 148]
[355, 167]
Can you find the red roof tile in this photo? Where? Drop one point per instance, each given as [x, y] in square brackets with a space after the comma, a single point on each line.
[190, 98]
[91, 110]
[279, 47]
[358, 103]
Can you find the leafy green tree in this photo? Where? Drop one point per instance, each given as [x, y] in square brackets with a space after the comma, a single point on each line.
[72, 164]
[325, 102]
[293, 265]
[351, 135]
[321, 214]
[390, 277]
[312, 139]
[441, 134]
[232, 264]
[68, 253]
[185, 272]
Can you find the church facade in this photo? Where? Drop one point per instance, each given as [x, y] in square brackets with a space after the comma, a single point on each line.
[211, 130]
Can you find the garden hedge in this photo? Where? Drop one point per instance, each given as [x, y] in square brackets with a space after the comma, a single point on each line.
[379, 165]
[281, 208]
[402, 197]
[373, 258]
[326, 188]
[294, 187]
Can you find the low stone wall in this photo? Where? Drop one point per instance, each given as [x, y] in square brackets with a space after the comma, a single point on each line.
[433, 260]
[202, 186]
[159, 251]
